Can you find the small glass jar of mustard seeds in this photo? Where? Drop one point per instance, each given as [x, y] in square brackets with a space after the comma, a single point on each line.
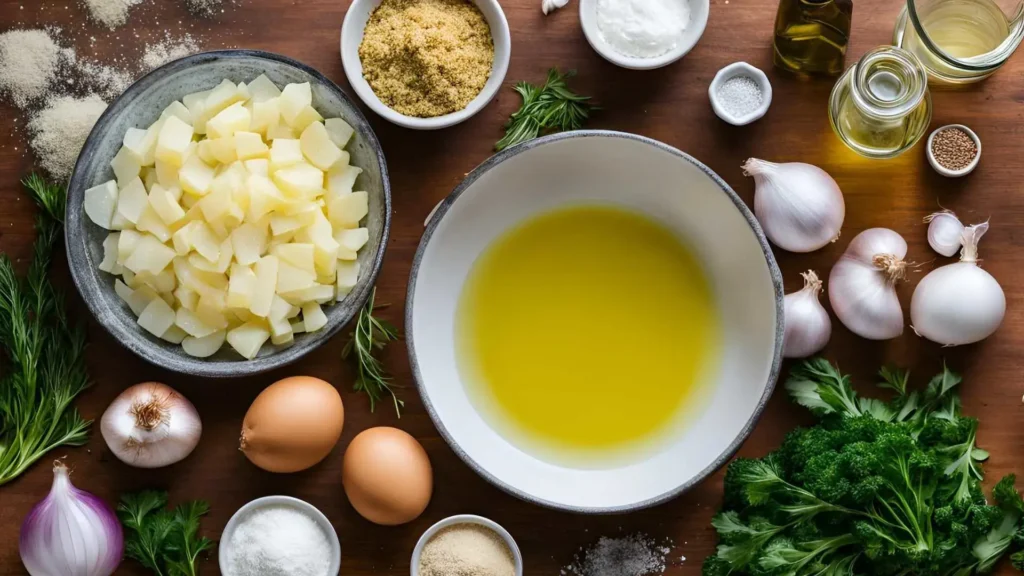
[881, 106]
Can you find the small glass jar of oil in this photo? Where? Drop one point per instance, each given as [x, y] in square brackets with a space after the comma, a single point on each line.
[881, 106]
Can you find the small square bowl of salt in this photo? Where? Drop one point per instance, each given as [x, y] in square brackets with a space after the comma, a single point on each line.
[279, 535]
[740, 94]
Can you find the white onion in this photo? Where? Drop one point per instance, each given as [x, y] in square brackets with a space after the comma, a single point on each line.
[808, 327]
[799, 205]
[959, 303]
[862, 285]
[150, 425]
[70, 533]
[944, 232]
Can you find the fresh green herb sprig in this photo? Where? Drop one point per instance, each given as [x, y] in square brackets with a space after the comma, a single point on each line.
[372, 334]
[164, 541]
[44, 354]
[548, 108]
[882, 488]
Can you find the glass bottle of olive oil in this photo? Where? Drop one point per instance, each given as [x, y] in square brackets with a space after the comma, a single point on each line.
[811, 35]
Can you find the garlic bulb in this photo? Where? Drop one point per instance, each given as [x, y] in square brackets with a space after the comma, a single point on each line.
[862, 285]
[944, 231]
[799, 205]
[808, 327]
[549, 6]
[959, 303]
[150, 425]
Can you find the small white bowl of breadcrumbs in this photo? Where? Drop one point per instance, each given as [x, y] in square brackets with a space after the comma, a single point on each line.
[425, 64]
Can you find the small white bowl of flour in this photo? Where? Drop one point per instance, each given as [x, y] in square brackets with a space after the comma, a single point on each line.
[279, 536]
[643, 34]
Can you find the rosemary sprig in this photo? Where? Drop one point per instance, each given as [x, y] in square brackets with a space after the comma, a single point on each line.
[372, 334]
[548, 108]
[44, 354]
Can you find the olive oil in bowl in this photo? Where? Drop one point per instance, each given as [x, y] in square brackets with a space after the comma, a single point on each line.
[585, 335]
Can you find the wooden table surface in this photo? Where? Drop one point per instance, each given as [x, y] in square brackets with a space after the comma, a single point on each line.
[670, 105]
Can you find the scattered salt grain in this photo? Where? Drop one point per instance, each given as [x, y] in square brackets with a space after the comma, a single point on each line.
[170, 48]
[28, 62]
[740, 95]
[203, 7]
[634, 555]
[110, 13]
[59, 130]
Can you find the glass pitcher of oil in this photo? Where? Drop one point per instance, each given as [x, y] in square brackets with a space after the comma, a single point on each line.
[811, 35]
[881, 106]
[959, 41]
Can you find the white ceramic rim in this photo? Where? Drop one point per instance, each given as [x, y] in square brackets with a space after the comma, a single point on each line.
[517, 557]
[741, 69]
[946, 171]
[776, 277]
[699, 10]
[352, 37]
[267, 501]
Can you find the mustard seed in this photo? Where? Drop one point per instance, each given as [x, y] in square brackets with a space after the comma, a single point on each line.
[954, 149]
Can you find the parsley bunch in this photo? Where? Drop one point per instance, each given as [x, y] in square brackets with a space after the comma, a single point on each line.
[546, 108]
[43, 352]
[881, 488]
[165, 541]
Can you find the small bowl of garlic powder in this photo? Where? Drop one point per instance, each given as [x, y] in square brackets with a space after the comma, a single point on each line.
[643, 34]
[466, 544]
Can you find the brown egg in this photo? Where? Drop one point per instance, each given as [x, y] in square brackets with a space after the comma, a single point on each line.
[293, 424]
[387, 476]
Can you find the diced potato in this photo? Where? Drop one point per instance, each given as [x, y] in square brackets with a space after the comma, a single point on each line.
[318, 148]
[127, 241]
[218, 203]
[167, 174]
[291, 278]
[125, 166]
[285, 152]
[204, 149]
[225, 94]
[150, 221]
[348, 276]
[279, 309]
[132, 200]
[306, 116]
[174, 139]
[163, 283]
[321, 293]
[347, 211]
[234, 118]
[110, 252]
[186, 297]
[100, 204]
[327, 271]
[204, 347]
[281, 339]
[263, 197]
[250, 145]
[195, 176]
[168, 298]
[280, 224]
[174, 335]
[243, 91]
[196, 104]
[281, 130]
[148, 175]
[211, 309]
[129, 279]
[249, 242]
[150, 255]
[298, 327]
[352, 239]
[241, 286]
[266, 285]
[205, 242]
[301, 180]
[248, 338]
[294, 99]
[264, 115]
[263, 89]
[341, 178]
[339, 131]
[260, 166]
[298, 255]
[222, 149]
[165, 204]
[177, 109]
[140, 299]
[157, 317]
[142, 143]
[313, 317]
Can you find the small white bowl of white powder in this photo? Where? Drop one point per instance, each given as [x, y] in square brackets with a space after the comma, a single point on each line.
[643, 34]
[279, 536]
[740, 94]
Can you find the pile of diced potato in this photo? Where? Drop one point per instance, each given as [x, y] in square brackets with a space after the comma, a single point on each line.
[234, 218]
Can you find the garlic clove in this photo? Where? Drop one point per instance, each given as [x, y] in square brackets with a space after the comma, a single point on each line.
[808, 327]
[549, 6]
[944, 231]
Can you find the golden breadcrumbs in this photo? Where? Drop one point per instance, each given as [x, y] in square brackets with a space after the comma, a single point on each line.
[426, 58]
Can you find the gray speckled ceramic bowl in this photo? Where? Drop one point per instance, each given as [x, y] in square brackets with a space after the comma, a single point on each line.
[640, 175]
[139, 107]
